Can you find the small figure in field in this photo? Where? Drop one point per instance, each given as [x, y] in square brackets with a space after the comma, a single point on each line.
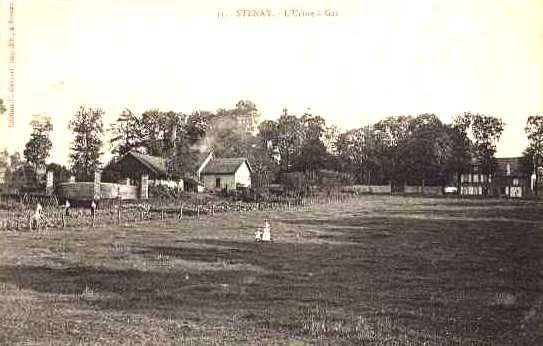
[93, 208]
[266, 232]
[67, 208]
[258, 235]
[36, 218]
[93, 212]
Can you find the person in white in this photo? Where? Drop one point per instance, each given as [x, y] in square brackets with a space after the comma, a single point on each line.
[67, 208]
[266, 232]
[37, 216]
[258, 235]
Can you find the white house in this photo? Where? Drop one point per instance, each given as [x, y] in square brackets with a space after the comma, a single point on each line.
[227, 173]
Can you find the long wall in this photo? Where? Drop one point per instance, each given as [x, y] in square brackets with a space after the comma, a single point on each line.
[85, 191]
[367, 188]
[425, 190]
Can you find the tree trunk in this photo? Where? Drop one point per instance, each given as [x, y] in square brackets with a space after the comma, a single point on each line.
[459, 183]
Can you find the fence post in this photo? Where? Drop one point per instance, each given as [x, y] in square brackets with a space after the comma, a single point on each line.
[144, 187]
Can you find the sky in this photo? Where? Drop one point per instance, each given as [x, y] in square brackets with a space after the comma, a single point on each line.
[352, 62]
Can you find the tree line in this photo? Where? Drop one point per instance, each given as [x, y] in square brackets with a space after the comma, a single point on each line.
[397, 150]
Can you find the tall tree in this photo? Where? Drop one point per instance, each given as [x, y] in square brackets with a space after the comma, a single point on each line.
[433, 151]
[298, 142]
[188, 146]
[264, 166]
[331, 134]
[158, 131]
[453, 151]
[486, 132]
[394, 131]
[363, 153]
[126, 133]
[38, 147]
[424, 149]
[87, 127]
[285, 135]
[4, 169]
[20, 175]
[534, 131]
[312, 154]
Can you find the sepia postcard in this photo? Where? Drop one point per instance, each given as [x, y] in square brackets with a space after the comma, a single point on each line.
[271, 172]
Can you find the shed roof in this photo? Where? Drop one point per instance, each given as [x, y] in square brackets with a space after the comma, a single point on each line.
[225, 165]
[155, 163]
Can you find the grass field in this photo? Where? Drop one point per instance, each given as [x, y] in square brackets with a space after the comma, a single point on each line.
[378, 270]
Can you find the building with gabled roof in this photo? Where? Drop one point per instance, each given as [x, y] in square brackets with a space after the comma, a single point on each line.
[510, 179]
[213, 173]
[133, 165]
[226, 173]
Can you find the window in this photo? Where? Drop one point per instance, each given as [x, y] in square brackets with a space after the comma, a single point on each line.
[508, 169]
[476, 178]
[218, 182]
[515, 182]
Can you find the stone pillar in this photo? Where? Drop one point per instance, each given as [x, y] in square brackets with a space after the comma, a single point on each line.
[127, 181]
[144, 187]
[49, 183]
[181, 185]
[97, 179]
[72, 179]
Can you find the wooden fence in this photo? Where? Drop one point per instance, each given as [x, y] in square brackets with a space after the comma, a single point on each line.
[18, 215]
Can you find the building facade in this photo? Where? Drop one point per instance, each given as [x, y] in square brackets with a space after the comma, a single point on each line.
[227, 173]
[510, 180]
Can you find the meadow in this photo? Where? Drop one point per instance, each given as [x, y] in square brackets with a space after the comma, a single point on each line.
[375, 270]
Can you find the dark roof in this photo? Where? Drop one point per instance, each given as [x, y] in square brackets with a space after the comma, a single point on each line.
[225, 166]
[515, 166]
[155, 163]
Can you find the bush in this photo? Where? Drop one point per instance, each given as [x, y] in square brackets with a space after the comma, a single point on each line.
[164, 192]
